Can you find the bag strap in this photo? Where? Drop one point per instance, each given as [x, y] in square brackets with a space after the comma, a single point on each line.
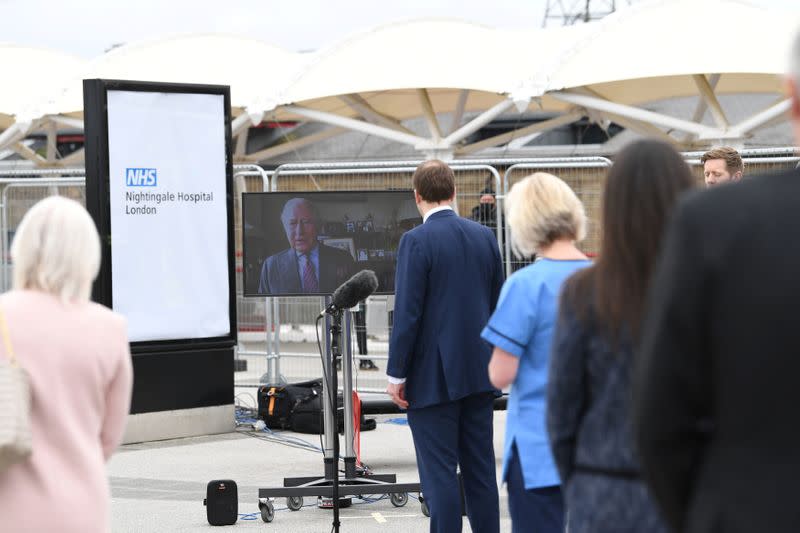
[7, 340]
[271, 400]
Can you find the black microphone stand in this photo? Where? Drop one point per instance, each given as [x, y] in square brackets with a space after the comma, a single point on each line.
[336, 331]
[330, 485]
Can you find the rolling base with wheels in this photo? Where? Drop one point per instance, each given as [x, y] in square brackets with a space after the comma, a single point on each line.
[267, 510]
[295, 489]
[330, 484]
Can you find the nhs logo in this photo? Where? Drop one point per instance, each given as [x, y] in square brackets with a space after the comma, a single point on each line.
[141, 177]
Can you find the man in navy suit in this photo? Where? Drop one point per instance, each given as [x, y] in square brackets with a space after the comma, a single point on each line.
[449, 275]
[307, 266]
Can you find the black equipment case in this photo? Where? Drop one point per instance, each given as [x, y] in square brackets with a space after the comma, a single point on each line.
[222, 502]
[277, 403]
[296, 406]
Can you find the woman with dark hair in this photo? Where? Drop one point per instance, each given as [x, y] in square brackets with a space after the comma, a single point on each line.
[589, 386]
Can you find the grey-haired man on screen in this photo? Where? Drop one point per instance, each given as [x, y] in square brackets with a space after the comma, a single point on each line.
[307, 266]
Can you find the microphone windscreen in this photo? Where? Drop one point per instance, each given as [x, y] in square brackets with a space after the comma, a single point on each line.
[357, 288]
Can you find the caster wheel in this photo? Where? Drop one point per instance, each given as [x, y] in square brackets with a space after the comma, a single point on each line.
[267, 512]
[399, 499]
[294, 503]
[424, 505]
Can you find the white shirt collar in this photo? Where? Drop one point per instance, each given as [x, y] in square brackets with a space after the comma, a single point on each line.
[313, 254]
[435, 210]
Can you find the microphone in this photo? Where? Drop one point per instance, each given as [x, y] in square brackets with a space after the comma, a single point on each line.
[352, 291]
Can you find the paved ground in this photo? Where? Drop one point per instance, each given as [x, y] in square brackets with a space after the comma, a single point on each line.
[160, 486]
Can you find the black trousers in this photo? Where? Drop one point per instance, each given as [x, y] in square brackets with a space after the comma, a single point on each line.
[360, 323]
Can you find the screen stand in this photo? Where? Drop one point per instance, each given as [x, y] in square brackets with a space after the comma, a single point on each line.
[330, 403]
[331, 491]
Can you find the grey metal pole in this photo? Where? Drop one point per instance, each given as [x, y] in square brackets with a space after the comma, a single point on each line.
[347, 392]
[276, 339]
[328, 399]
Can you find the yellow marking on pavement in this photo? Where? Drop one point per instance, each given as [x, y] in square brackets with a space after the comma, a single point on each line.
[379, 518]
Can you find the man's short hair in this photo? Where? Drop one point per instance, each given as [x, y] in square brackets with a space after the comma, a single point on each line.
[434, 181]
[733, 161]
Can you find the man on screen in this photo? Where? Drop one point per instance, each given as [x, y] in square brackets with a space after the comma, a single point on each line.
[306, 266]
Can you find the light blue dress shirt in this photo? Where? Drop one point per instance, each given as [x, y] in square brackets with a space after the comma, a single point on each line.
[523, 325]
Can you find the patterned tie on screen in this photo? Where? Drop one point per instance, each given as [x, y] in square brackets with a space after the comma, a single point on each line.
[309, 278]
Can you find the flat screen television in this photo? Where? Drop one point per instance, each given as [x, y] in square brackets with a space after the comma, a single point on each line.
[309, 243]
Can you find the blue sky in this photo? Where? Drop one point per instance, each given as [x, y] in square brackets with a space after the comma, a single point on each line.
[88, 27]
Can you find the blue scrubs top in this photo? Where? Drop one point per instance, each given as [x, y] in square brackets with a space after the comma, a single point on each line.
[523, 325]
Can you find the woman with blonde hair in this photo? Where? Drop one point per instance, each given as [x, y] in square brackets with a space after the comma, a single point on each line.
[76, 355]
[546, 218]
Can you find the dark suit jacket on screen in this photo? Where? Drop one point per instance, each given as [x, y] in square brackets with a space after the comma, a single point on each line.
[718, 385]
[449, 276]
[280, 275]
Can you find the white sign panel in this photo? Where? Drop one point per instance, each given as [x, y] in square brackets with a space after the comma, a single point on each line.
[169, 248]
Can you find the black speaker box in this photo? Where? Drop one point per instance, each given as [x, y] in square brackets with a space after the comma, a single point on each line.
[222, 502]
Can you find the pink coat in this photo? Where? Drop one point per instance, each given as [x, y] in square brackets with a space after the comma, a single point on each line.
[79, 364]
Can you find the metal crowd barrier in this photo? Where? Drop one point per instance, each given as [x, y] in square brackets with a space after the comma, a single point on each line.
[276, 334]
[291, 319]
[752, 152]
[296, 357]
[753, 166]
[18, 196]
[22, 188]
[585, 177]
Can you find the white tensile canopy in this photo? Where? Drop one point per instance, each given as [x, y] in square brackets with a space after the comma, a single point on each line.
[672, 48]
[244, 64]
[29, 74]
[373, 81]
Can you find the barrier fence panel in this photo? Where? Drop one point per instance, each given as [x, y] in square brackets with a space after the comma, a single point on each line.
[753, 166]
[310, 173]
[756, 161]
[21, 189]
[293, 321]
[586, 178]
[19, 195]
[256, 342]
[277, 336]
[787, 151]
